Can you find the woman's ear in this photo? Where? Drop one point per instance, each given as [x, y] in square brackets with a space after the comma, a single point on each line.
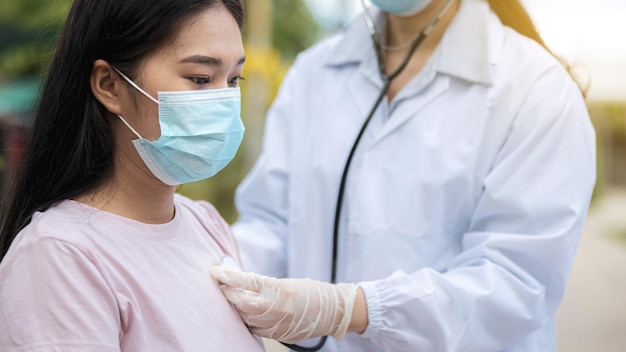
[106, 86]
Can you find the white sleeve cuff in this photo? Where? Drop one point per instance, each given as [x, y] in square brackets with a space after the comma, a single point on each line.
[374, 309]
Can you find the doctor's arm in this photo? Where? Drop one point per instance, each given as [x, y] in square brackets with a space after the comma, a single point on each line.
[510, 275]
[292, 310]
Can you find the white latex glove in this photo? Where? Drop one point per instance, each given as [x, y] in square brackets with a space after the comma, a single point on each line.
[288, 310]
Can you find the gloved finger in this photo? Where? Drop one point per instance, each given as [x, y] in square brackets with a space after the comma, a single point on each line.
[240, 279]
[275, 333]
[263, 332]
[253, 321]
[228, 276]
[269, 327]
[246, 302]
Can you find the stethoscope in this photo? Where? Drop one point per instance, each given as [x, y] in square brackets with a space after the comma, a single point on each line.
[387, 79]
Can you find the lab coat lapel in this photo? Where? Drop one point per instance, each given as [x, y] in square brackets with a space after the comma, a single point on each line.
[464, 53]
[365, 85]
[356, 48]
[404, 109]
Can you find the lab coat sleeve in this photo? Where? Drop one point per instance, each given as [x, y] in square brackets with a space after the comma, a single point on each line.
[262, 198]
[511, 274]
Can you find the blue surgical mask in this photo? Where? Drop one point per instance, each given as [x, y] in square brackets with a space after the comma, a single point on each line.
[401, 7]
[200, 134]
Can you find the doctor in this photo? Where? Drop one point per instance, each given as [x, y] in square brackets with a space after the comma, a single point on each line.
[460, 213]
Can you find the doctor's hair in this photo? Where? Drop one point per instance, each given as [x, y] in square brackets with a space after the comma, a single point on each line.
[513, 14]
[70, 146]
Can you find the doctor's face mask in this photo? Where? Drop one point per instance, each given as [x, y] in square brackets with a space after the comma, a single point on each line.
[401, 7]
[200, 133]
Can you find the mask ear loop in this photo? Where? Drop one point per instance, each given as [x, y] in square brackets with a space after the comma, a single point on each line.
[135, 85]
[129, 126]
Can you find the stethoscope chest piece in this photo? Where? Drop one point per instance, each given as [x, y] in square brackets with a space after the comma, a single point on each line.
[230, 262]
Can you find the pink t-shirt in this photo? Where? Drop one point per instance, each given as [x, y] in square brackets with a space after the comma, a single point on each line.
[79, 279]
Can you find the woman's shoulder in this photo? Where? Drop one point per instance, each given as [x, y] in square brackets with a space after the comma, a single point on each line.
[62, 221]
[204, 213]
[61, 226]
[195, 206]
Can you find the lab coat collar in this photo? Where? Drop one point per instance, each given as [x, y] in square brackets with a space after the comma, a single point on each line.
[464, 51]
[356, 43]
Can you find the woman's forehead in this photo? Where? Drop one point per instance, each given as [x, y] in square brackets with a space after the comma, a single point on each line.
[212, 33]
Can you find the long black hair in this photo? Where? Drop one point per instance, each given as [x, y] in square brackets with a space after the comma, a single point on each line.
[69, 149]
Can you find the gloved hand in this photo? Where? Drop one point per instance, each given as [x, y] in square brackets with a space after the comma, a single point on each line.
[288, 310]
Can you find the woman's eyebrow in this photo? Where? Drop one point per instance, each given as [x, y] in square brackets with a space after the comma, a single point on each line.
[207, 60]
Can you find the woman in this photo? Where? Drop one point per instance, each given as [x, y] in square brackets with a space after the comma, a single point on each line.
[465, 197]
[100, 254]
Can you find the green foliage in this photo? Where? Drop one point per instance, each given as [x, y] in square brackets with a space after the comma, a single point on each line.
[615, 115]
[28, 31]
[24, 60]
[294, 28]
[609, 119]
[619, 235]
[34, 14]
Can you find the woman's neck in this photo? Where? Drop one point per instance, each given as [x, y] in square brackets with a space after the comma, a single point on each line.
[132, 192]
[401, 31]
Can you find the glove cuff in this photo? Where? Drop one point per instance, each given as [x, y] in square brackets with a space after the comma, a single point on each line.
[346, 297]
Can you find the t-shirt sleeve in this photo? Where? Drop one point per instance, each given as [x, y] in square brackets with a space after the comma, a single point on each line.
[53, 298]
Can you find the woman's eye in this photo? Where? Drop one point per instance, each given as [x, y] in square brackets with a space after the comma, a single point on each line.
[234, 82]
[201, 81]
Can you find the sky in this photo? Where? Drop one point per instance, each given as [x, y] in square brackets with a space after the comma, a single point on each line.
[587, 34]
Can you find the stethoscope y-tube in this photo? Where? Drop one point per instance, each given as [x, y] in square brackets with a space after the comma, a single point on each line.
[387, 79]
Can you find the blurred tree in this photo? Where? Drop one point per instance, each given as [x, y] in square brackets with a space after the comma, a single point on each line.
[34, 14]
[28, 32]
[609, 119]
[294, 27]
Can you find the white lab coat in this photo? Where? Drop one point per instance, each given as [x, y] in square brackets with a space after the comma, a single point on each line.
[465, 200]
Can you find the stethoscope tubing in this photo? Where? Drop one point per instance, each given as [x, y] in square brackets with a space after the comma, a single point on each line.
[387, 79]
